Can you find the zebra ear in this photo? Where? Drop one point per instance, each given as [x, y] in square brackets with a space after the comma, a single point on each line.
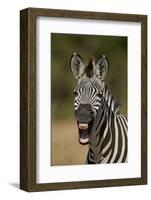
[77, 65]
[100, 67]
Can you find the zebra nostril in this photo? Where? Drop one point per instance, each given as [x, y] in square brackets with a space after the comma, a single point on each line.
[89, 109]
[84, 113]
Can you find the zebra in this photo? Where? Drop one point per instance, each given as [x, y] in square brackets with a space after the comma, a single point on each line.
[97, 113]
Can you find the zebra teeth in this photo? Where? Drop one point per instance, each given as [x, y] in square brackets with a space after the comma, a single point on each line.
[83, 126]
[84, 140]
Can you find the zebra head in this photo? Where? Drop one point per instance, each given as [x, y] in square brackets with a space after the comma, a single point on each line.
[88, 92]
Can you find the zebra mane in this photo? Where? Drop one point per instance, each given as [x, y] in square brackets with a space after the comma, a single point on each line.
[110, 103]
[110, 100]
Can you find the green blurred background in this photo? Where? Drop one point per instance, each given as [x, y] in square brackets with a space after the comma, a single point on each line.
[65, 149]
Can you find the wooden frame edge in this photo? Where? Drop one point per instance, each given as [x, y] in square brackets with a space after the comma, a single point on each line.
[144, 99]
[24, 182]
[27, 100]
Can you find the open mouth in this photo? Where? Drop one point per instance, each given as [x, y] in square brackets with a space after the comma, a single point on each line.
[83, 133]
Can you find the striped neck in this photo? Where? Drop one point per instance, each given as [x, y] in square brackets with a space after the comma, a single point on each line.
[100, 134]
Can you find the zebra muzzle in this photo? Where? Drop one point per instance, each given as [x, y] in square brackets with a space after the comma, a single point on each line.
[83, 126]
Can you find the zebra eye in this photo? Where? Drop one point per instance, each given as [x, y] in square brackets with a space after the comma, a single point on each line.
[99, 95]
[75, 93]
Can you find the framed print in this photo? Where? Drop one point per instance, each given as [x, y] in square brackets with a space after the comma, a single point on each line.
[83, 99]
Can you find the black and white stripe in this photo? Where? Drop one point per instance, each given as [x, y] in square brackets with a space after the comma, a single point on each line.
[108, 141]
[88, 93]
[107, 134]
